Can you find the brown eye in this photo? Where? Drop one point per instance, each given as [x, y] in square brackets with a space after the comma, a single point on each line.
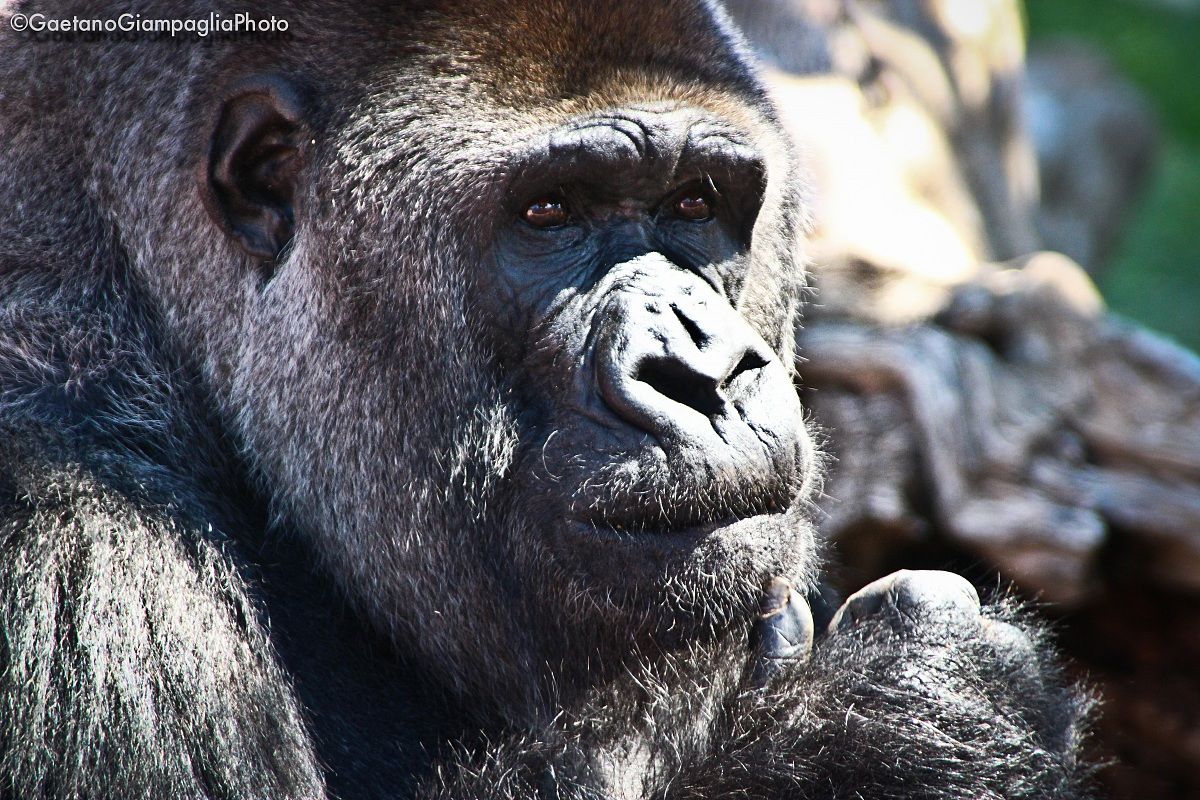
[547, 212]
[694, 206]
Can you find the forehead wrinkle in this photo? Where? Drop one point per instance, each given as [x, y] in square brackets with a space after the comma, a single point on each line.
[654, 143]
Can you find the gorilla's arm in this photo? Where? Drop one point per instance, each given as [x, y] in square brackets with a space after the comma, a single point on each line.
[915, 692]
[132, 664]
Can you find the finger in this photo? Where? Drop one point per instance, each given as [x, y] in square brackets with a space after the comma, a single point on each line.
[910, 600]
[784, 632]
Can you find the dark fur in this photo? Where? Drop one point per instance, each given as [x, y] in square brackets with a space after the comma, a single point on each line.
[278, 532]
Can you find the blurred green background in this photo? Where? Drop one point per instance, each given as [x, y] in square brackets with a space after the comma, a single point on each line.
[1154, 277]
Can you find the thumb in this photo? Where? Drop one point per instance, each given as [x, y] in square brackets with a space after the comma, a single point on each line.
[783, 633]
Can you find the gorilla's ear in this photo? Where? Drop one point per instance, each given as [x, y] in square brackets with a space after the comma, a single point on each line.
[253, 161]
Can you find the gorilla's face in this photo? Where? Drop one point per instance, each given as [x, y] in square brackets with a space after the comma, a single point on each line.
[659, 416]
[523, 374]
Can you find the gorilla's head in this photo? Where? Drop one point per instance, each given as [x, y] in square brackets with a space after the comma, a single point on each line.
[499, 300]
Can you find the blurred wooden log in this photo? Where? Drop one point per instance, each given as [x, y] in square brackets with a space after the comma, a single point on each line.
[1038, 422]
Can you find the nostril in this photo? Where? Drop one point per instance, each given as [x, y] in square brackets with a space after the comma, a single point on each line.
[699, 337]
[674, 379]
[749, 362]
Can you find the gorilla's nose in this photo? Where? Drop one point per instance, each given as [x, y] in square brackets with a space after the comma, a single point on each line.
[697, 365]
[675, 358]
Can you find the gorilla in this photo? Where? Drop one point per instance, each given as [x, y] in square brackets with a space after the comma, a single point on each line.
[404, 407]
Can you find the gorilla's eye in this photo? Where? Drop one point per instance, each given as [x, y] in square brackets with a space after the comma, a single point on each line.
[547, 212]
[695, 206]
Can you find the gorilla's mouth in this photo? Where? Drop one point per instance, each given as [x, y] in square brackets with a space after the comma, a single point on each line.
[680, 501]
[646, 514]
[683, 536]
[647, 491]
[647, 565]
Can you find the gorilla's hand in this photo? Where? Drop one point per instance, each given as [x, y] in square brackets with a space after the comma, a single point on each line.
[912, 675]
[912, 690]
[931, 605]
[916, 605]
